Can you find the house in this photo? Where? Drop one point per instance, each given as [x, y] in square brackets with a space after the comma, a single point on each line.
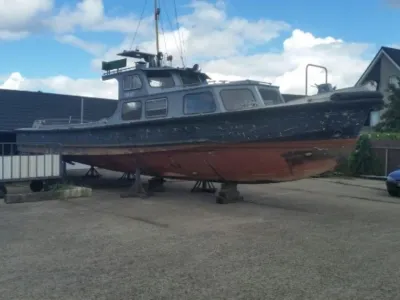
[384, 69]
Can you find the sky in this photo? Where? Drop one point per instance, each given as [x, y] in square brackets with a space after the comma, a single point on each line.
[58, 45]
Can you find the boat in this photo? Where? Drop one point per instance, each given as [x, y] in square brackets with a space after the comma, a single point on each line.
[174, 122]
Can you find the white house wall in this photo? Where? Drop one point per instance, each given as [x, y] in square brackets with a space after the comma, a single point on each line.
[387, 70]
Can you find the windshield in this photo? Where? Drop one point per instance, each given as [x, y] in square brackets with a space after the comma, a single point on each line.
[189, 78]
[161, 78]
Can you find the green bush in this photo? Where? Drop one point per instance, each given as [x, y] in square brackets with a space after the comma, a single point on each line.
[394, 136]
[390, 119]
[363, 160]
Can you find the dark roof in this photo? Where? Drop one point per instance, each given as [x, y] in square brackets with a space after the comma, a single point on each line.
[372, 72]
[21, 108]
[393, 53]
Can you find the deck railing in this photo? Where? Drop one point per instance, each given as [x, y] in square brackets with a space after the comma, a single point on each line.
[60, 121]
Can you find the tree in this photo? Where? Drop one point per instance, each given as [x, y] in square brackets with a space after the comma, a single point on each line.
[363, 160]
[390, 121]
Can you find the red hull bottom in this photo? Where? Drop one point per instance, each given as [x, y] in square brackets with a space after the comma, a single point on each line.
[242, 163]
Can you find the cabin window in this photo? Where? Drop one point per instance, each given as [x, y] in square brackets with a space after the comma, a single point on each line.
[238, 99]
[189, 78]
[132, 82]
[269, 96]
[199, 103]
[131, 110]
[156, 108]
[161, 79]
[394, 81]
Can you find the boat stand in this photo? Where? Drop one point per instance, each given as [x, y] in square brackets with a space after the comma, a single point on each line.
[3, 190]
[92, 173]
[228, 193]
[156, 184]
[127, 176]
[138, 189]
[203, 187]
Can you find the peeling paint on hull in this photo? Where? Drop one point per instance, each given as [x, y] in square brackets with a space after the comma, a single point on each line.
[243, 163]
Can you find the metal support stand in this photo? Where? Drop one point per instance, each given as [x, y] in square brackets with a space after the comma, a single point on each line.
[92, 173]
[127, 176]
[137, 189]
[228, 193]
[156, 184]
[203, 187]
[3, 191]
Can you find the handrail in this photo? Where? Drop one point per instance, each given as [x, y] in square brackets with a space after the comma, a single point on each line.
[59, 121]
[316, 66]
[116, 71]
[238, 81]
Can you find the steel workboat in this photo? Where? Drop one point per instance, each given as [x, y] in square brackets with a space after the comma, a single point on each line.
[175, 123]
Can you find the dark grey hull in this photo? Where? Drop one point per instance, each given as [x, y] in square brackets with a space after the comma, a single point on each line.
[342, 117]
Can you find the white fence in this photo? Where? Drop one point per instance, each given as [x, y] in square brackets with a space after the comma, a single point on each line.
[16, 166]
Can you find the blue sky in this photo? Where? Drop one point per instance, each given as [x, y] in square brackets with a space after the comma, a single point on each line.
[41, 54]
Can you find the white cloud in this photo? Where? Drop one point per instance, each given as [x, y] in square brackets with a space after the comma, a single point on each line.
[17, 16]
[90, 15]
[92, 48]
[13, 82]
[63, 85]
[11, 35]
[220, 44]
[17, 13]
[208, 33]
[287, 69]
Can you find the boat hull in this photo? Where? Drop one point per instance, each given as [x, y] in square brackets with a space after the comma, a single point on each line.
[274, 144]
[242, 163]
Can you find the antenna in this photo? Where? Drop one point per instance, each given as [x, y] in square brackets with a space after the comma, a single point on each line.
[156, 19]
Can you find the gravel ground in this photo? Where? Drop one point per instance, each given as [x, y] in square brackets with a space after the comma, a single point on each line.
[311, 239]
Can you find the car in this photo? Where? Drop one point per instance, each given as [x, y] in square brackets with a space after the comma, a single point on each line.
[393, 183]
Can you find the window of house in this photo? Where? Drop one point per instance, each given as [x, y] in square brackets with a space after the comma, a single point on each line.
[270, 96]
[199, 103]
[160, 78]
[394, 80]
[132, 82]
[238, 99]
[156, 108]
[131, 111]
[373, 119]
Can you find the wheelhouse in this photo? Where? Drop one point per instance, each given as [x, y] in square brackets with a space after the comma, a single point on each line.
[199, 100]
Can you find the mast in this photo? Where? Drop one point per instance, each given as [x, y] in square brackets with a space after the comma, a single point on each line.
[156, 19]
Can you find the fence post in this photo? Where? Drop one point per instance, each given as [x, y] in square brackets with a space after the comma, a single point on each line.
[386, 160]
